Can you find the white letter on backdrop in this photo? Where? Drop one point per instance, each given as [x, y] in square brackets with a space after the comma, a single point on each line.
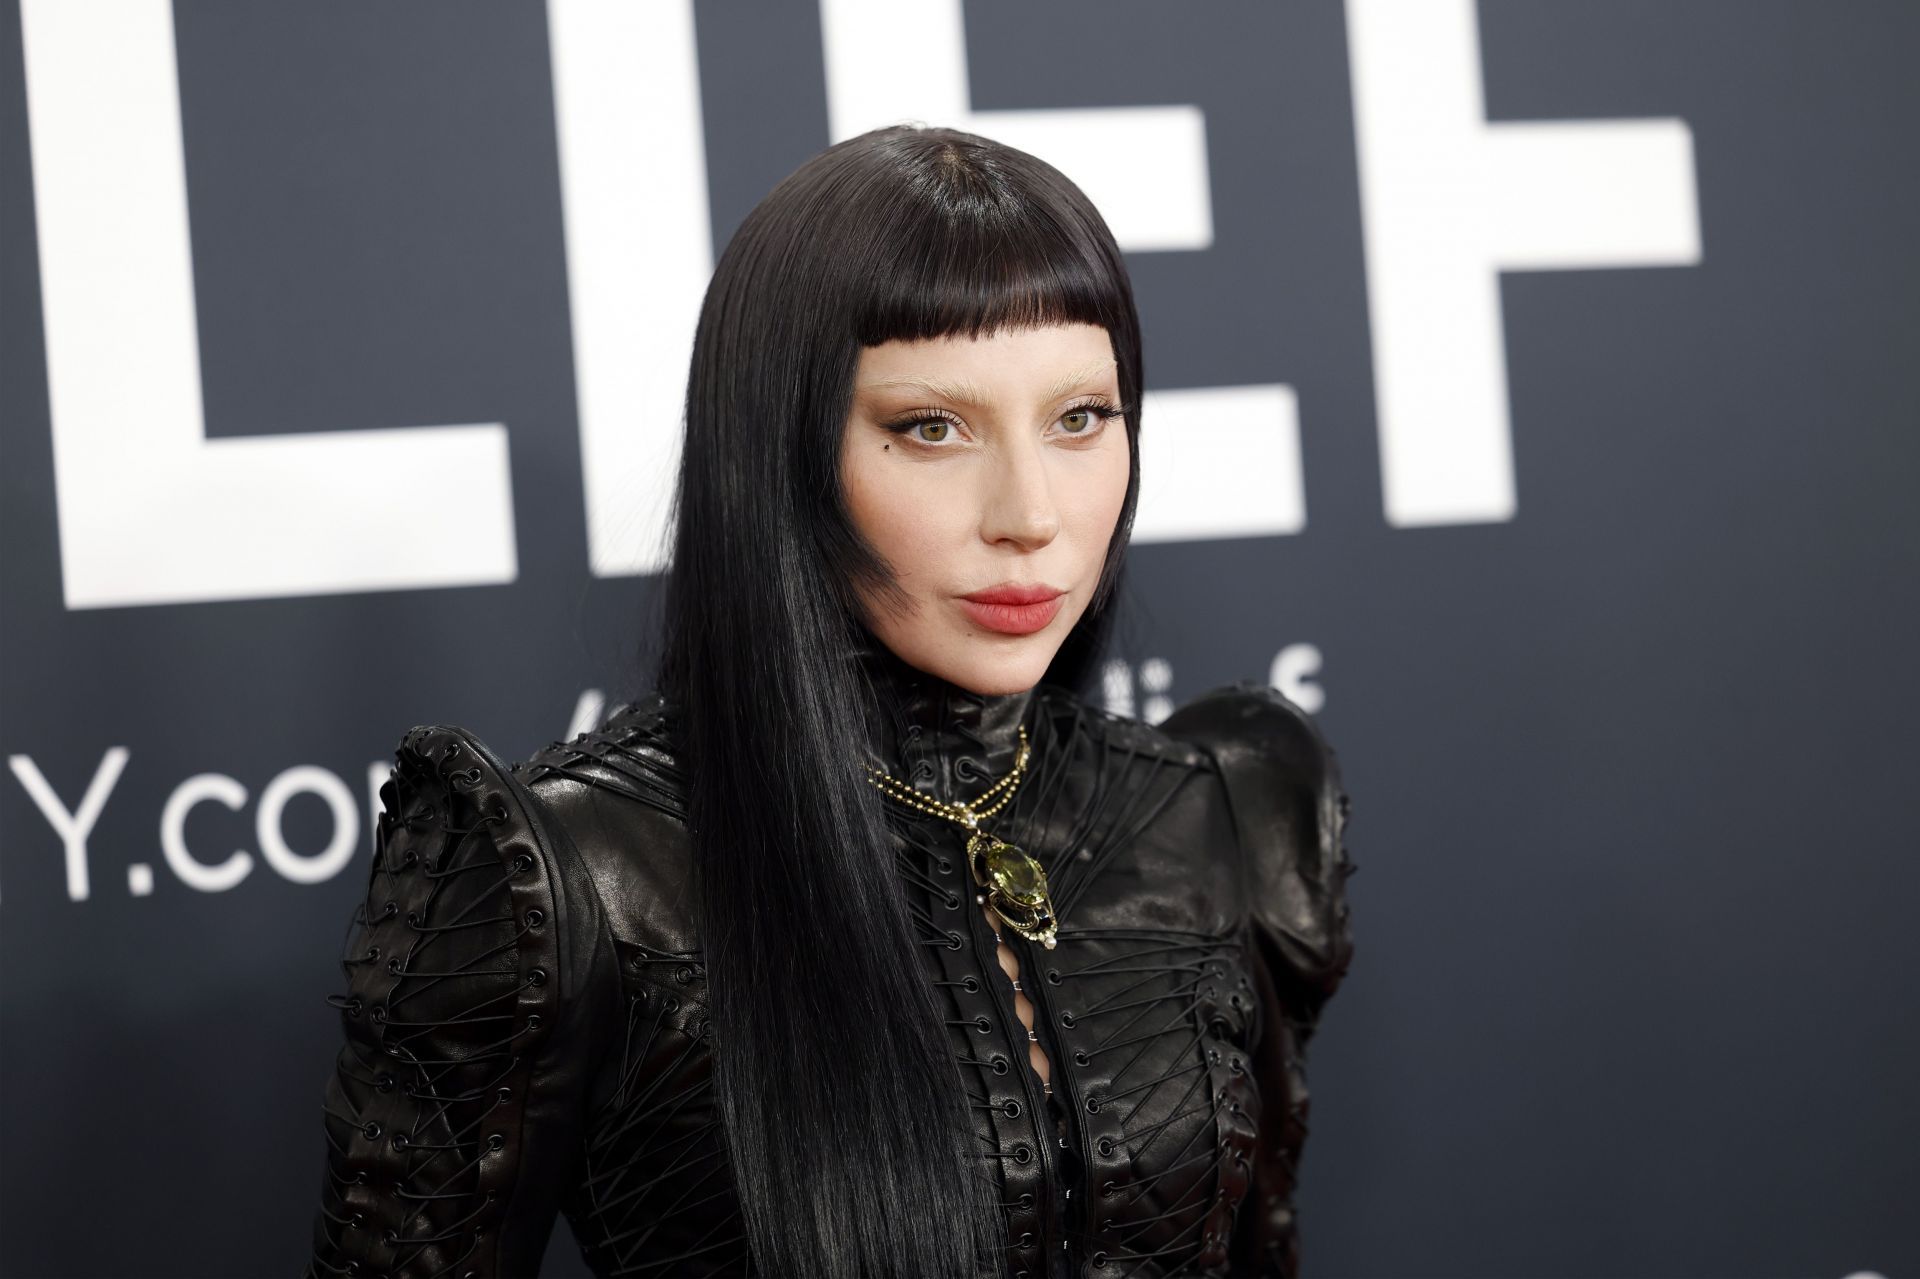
[151, 511]
[633, 185]
[1448, 201]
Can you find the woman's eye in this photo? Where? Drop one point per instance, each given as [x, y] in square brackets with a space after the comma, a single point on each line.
[1087, 419]
[930, 428]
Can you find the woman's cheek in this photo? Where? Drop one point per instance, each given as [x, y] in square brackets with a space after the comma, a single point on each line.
[916, 533]
[1097, 497]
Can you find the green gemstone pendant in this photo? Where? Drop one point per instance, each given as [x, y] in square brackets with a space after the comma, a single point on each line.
[1016, 886]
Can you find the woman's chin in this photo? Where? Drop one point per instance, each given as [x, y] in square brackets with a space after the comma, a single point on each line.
[995, 665]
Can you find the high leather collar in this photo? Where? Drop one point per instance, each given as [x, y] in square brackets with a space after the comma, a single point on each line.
[934, 735]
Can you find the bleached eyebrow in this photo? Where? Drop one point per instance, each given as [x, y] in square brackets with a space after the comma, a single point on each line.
[975, 396]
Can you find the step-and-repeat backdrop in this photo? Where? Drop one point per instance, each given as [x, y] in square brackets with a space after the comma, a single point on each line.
[1534, 394]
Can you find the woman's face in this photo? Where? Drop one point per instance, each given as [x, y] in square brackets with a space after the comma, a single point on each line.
[979, 464]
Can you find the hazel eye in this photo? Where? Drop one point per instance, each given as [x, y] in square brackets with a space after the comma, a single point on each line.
[929, 428]
[1084, 421]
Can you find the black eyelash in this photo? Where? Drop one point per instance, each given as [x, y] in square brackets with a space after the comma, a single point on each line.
[1100, 405]
[1104, 408]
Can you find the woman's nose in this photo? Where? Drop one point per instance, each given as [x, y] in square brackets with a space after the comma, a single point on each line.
[1019, 505]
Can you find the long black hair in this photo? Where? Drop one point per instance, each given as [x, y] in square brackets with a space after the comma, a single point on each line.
[846, 1125]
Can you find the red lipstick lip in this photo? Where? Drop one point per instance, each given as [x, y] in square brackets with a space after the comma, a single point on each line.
[1013, 609]
[1014, 593]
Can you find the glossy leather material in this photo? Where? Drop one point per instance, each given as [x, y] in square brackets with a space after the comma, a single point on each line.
[526, 1019]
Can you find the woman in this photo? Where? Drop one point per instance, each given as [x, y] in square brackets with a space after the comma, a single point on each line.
[862, 945]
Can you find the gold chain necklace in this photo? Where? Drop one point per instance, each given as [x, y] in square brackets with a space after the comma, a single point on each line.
[1015, 884]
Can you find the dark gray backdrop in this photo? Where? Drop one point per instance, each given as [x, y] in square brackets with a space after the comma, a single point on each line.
[1633, 769]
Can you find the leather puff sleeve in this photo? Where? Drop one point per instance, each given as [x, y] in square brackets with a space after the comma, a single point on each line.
[453, 1115]
[1283, 782]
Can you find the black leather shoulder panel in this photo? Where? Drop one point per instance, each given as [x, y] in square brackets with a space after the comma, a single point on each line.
[1283, 785]
[1290, 806]
[457, 1101]
[620, 794]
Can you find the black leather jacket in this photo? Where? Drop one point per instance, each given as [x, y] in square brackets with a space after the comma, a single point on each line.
[525, 1021]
